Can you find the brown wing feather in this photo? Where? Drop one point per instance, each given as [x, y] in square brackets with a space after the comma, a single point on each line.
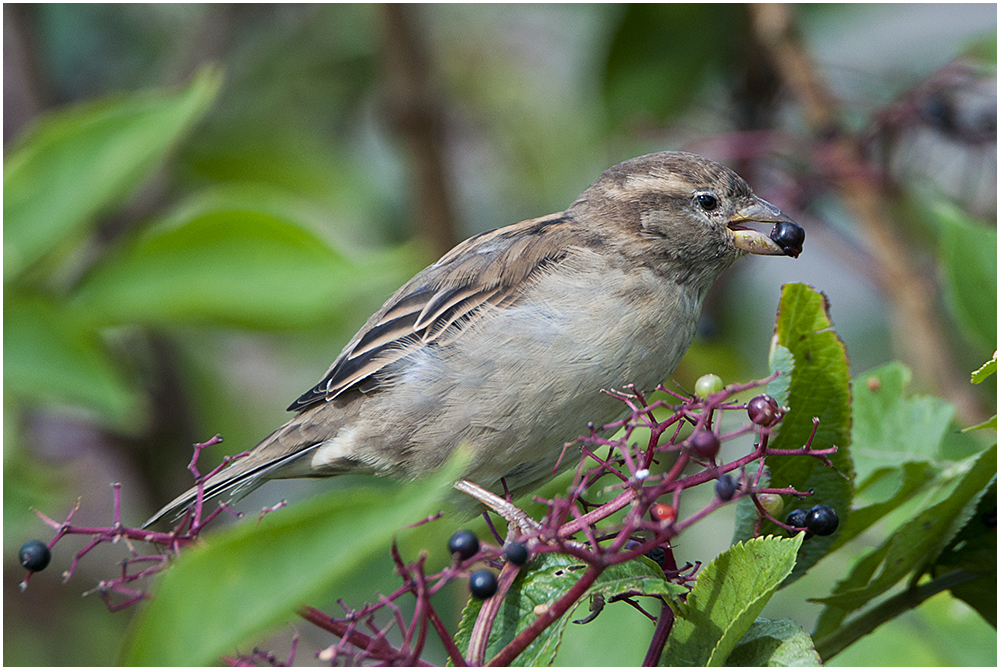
[441, 301]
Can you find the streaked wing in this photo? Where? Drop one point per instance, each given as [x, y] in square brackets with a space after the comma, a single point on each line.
[491, 269]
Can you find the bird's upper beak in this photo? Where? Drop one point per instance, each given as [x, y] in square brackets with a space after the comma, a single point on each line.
[786, 236]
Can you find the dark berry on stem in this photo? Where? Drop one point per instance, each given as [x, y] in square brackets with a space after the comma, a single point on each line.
[822, 520]
[516, 553]
[789, 236]
[725, 487]
[34, 555]
[657, 555]
[464, 543]
[705, 444]
[482, 584]
[763, 410]
[797, 518]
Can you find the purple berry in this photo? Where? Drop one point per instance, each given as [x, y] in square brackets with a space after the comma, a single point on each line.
[763, 410]
[705, 444]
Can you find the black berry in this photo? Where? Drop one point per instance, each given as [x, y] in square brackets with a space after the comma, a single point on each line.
[763, 410]
[657, 555]
[464, 543]
[797, 518]
[725, 487]
[516, 553]
[822, 520]
[482, 584]
[705, 444]
[34, 555]
[789, 236]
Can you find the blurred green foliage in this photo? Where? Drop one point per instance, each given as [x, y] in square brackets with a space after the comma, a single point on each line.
[216, 197]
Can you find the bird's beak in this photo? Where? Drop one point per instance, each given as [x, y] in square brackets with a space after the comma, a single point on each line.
[786, 236]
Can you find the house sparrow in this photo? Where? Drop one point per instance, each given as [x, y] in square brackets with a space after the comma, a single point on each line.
[506, 343]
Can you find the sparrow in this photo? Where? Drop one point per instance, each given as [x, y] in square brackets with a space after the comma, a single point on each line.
[508, 342]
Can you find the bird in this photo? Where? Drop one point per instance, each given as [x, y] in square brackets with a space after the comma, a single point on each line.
[509, 341]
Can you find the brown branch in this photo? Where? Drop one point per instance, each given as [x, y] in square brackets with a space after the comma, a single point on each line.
[418, 118]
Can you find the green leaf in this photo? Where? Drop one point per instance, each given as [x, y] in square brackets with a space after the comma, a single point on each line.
[51, 357]
[244, 581]
[780, 643]
[914, 546]
[727, 597]
[243, 268]
[989, 424]
[969, 264]
[909, 479]
[974, 549]
[541, 583]
[988, 369]
[82, 161]
[818, 386]
[891, 428]
[780, 360]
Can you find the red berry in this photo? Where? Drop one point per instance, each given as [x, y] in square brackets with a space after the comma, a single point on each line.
[663, 513]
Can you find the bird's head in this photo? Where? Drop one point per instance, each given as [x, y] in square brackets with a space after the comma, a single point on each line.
[692, 213]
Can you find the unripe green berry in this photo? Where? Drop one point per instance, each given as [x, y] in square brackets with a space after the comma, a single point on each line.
[772, 503]
[707, 385]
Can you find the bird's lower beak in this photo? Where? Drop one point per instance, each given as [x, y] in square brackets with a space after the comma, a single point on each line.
[786, 236]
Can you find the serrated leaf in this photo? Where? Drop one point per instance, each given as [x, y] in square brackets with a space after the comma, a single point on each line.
[84, 160]
[914, 546]
[243, 268]
[727, 597]
[891, 428]
[780, 643]
[245, 580]
[818, 386]
[51, 357]
[969, 264]
[541, 583]
[974, 549]
[988, 369]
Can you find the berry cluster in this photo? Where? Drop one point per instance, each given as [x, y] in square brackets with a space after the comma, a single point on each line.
[650, 502]
[817, 520]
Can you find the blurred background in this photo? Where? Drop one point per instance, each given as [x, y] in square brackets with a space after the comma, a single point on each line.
[366, 140]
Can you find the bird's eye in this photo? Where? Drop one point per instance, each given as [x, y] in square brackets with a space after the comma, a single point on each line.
[707, 201]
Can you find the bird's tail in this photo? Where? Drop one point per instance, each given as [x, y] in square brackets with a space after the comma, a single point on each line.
[237, 480]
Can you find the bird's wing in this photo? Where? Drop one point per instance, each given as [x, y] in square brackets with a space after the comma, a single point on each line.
[491, 269]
